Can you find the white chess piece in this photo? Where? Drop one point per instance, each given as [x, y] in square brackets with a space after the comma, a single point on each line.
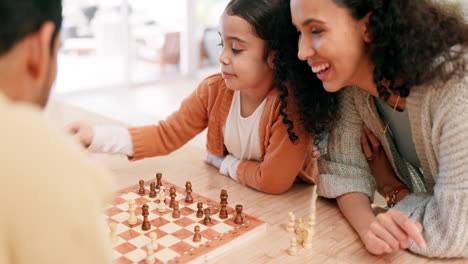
[311, 219]
[113, 228]
[162, 207]
[132, 220]
[154, 237]
[149, 254]
[291, 223]
[308, 236]
[292, 250]
[162, 194]
[300, 229]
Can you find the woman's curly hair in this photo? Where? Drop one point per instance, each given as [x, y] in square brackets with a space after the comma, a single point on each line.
[317, 109]
[412, 41]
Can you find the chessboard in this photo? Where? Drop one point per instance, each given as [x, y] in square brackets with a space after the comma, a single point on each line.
[175, 235]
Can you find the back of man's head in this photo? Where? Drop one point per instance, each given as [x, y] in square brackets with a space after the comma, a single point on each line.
[19, 18]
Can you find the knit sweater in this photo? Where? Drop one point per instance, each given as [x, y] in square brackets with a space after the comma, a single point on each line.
[52, 197]
[208, 106]
[438, 115]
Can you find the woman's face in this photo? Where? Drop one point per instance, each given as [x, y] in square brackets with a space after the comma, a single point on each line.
[332, 42]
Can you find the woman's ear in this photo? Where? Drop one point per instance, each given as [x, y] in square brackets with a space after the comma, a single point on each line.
[365, 28]
[270, 59]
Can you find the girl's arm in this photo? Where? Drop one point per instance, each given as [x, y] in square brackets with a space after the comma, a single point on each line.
[282, 161]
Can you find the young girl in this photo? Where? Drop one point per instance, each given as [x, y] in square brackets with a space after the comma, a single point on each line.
[253, 135]
[407, 60]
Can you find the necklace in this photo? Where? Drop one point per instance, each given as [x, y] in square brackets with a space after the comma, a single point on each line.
[384, 130]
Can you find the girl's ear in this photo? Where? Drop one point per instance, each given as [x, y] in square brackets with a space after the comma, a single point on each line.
[270, 58]
[365, 30]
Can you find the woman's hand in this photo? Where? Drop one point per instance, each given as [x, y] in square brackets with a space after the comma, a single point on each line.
[379, 164]
[390, 232]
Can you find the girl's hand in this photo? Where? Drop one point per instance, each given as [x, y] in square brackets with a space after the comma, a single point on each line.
[82, 131]
[390, 232]
[379, 164]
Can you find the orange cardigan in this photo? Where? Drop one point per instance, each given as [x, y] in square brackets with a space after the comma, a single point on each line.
[208, 106]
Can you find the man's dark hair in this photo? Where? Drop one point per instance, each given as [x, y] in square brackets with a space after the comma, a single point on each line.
[19, 18]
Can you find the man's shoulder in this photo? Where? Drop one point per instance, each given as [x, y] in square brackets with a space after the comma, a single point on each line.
[34, 152]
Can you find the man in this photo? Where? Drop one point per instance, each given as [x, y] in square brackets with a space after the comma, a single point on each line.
[52, 198]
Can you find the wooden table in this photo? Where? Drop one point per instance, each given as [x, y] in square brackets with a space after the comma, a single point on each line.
[334, 241]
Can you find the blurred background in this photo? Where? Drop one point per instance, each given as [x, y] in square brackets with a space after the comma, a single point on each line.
[135, 60]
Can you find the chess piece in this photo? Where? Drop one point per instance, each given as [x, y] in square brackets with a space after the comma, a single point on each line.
[196, 235]
[300, 226]
[238, 219]
[132, 220]
[291, 223]
[223, 196]
[145, 226]
[200, 210]
[308, 236]
[300, 229]
[188, 190]
[311, 219]
[172, 194]
[223, 213]
[162, 195]
[152, 193]
[176, 211]
[141, 190]
[292, 250]
[114, 237]
[207, 219]
[149, 254]
[162, 207]
[159, 180]
[154, 238]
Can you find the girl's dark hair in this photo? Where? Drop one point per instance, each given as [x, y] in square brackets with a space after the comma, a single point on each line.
[19, 18]
[412, 41]
[271, 21]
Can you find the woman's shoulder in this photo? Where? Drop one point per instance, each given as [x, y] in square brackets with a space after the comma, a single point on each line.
[456, 86]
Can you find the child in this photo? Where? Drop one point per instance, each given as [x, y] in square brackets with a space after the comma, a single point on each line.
[250, 135]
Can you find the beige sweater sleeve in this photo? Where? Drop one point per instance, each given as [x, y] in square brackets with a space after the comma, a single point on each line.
[52, 198]
[343, 169]
[444, 212]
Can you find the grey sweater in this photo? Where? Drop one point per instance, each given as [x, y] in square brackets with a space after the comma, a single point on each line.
[438, 117]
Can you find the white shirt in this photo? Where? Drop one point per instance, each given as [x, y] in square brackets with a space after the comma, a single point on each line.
[241, 136]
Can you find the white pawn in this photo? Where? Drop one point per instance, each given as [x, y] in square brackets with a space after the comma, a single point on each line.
[162, 207]
[154, 237]
[132, 220]
[308, 235]
[162, 194]
[292, 250]
[291, 223]
[300, 229]
[114, 237]
[149, 254]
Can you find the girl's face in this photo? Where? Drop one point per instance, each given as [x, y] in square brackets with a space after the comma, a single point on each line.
[243, 61]
[332, 42]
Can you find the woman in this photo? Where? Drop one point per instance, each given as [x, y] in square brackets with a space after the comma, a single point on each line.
[400, 69]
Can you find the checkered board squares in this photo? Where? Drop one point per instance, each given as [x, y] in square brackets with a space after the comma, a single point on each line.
[175, 236]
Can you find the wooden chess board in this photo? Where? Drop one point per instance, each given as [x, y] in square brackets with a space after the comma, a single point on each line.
[175, 243]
